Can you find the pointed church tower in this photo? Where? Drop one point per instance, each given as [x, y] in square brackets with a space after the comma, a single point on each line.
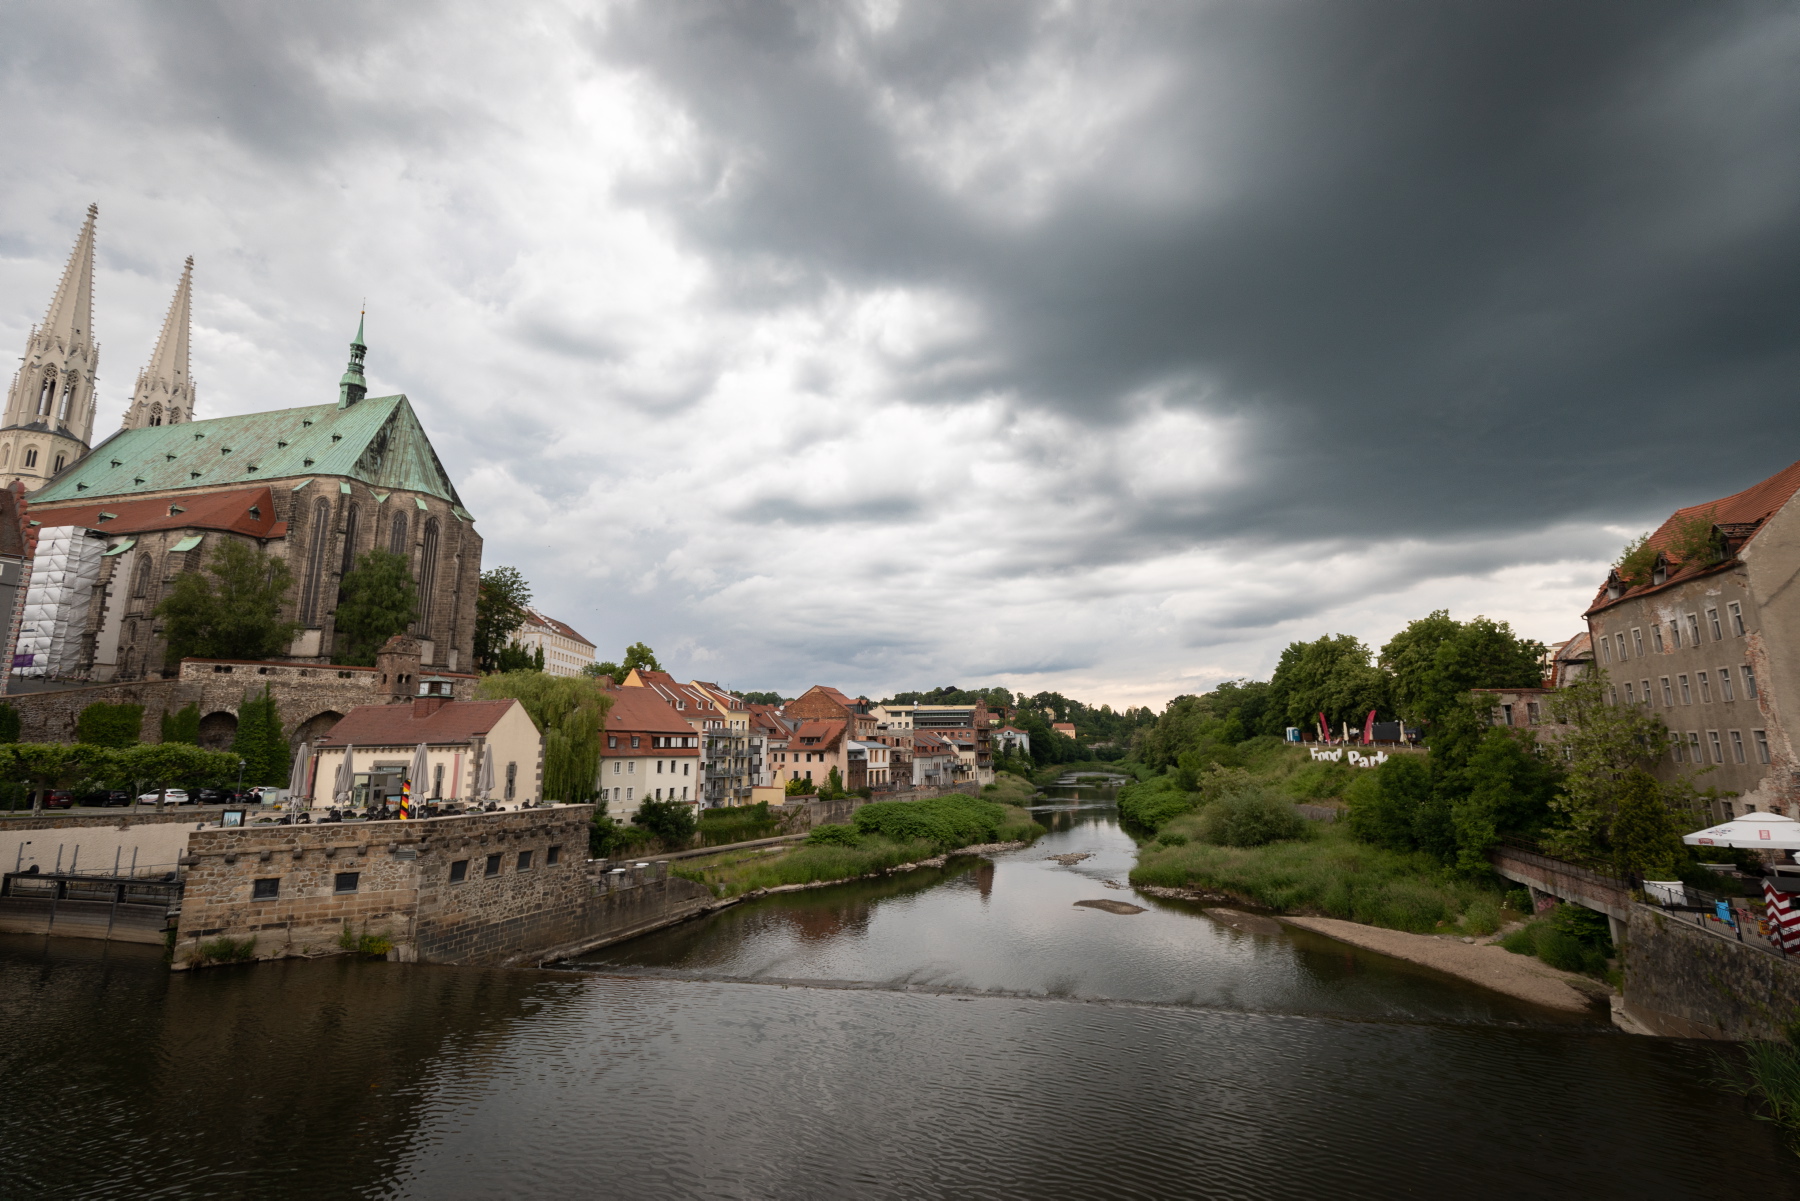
[165, 389]
[352, 387]
[50, 408]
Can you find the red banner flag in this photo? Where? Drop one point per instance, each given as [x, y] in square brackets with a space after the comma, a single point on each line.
[1369, 729]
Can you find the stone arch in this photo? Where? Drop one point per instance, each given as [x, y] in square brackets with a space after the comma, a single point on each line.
[217, 729]
[315, 727]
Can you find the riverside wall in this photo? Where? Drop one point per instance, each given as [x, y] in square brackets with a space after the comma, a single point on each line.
[1686, 982]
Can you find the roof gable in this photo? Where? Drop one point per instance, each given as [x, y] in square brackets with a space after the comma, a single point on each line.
[378, 441]
[398, 725]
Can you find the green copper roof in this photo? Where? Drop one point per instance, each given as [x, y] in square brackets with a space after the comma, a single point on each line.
[378, 441]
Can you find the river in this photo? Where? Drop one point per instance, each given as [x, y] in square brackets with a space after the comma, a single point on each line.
[964, 1032]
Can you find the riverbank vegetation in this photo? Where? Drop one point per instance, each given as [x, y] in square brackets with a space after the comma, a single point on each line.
[880, 836]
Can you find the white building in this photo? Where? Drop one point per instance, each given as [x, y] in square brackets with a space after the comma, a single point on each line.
[565, 651]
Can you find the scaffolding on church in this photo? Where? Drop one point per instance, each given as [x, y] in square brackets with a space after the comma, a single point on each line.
[63, 576]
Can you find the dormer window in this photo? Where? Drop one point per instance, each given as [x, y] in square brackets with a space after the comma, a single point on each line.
[308, 462]
[1615, 587]
[116, 463]
[174, 509]
[1660, 573]
[280, 443]
[256, 511]
[306, 422]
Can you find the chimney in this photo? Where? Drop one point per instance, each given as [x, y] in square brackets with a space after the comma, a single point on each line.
[425, 706]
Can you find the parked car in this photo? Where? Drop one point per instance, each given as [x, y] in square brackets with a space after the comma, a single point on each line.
[59, 798]
[105, 797]
[174, 796]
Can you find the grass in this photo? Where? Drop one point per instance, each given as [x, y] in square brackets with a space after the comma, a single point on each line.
[1329, 873]
[1769, 1073]
[226, 950]
[734, 873]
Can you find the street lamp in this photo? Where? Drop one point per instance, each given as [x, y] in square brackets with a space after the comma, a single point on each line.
[240, 787]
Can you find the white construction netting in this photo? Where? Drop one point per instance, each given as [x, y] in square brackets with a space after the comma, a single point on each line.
[63, 575]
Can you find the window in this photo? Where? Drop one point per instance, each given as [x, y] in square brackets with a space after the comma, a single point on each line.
[1718, 750]
[1694, 751]
[493, 866]
[1761, 738]
[612, 742]
[1506, 710]
[631, 767]
[267, 889]
[31, 457]
[1737, 618]
[1737, 747]
[140, 586]
[428, 557]
[687, 769]
[1675, 634]
[397, 535]
[1637, 642]
[616, 766]
[659, 767]
[1606, 648]
[1629, 700]
[1725, 684]
[1712, 619]
[524, 861]
[60, 460]
[1647, 701]
[1676, 745]
[1620, 639]
[629, 795]
[1687, 696]
[437, 782]
[1668, 694]
[459, 871]
[512, 780]
[315, 561]
[1656, 638]
[1531, 713]
[635, 742]
[349, 559]
[1705, 688]
[552, 857]
[1693, 629]
[346, 882]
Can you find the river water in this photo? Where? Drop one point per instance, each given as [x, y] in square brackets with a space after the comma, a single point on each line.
[966, 1032]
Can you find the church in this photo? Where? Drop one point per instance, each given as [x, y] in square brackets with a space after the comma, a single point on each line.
[116, 524]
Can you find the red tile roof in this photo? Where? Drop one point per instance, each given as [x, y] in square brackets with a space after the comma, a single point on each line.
[643, 711]
[396, 725]
[825, 732]
[1742, 514]
[222, 510]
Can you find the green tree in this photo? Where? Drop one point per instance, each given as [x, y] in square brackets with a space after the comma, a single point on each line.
[834, 786]
[1606, 746]
[1509, 785]
[608, 669]
[259, 741]
[499, 612]
[799, 787]
[183, 725]
[104, 724]
[570, 712]
[1645, 841]
[762, 698]
[234, 614]
[638, 655]
[376, 600]
[1435, 661]
[162, 765]
[672, 822]
[9, 723]
[46, 765]
[514, 657]
[537, 660]
[1332, 676]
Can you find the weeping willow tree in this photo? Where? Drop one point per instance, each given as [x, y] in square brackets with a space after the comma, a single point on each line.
[570, 712]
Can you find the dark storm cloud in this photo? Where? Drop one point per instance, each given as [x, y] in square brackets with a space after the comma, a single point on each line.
[1464, 266]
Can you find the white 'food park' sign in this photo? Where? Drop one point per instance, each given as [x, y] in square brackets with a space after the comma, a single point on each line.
[1356, 760]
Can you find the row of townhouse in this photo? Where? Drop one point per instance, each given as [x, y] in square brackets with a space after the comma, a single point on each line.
[697, 743]
[1708, 639]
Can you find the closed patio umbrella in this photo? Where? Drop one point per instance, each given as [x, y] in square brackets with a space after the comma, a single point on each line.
[415, 781]
[484, 779]
[344, 787]
[297, 788]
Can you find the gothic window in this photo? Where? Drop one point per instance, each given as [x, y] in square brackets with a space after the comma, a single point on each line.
[315, 562]
[68, 394]
[140, 587]
[155, 414]
[427, 574]
[60, 460]
[31, 456]
[46, 394]
[397, 540]
[5, 454]
[349, 542]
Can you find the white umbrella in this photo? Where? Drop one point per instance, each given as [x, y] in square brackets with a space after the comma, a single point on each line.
[484, 780]
[415, 778]
[344, 787]
[1755, 831]
[297, 788]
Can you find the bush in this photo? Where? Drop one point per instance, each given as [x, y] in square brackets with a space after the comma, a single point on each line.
[955, 820]
[183, 725]
[226, 950]
[1250, 818]
[833, 836]
[798, 787]
[103, 724]
[608, 838]
[9, 723]
[1570, 938]
[1153, 803]
[1482, 917]
[672, 822]
[1171, 838]
[719, 827]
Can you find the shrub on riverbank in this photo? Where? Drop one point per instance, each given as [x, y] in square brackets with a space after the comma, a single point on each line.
[1326, 872]
[1570, 938]
[1250, 817]
[955, 820]
[720, 827]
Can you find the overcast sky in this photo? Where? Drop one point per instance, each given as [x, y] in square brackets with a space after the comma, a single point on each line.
[1104, 348]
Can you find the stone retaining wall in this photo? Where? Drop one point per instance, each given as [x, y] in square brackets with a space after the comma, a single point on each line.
[1684, 982]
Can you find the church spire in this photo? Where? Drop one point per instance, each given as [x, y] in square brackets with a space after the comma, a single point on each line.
[165, 389]
[50, 405]
[352, 387]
